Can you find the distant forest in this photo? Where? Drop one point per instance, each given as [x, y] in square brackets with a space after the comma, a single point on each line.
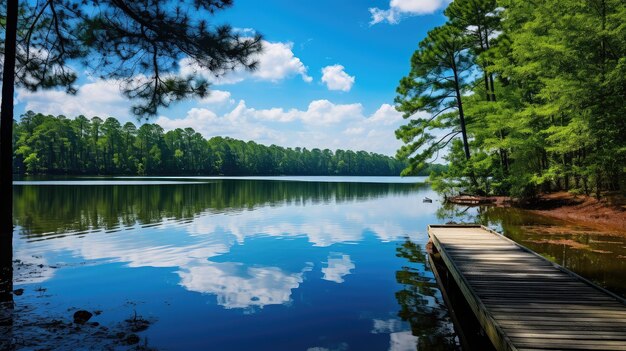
[46, 144]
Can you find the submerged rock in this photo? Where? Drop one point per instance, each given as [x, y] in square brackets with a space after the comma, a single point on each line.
[18, 292]
[139, 325]
[132, 339]
[82, 316]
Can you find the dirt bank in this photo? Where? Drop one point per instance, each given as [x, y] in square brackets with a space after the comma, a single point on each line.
[608, 213]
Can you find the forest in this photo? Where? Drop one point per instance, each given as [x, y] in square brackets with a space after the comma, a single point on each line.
[46, 144]
[523, 98]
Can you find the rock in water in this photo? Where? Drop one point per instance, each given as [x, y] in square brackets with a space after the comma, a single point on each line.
[132, 339]
[82, 316]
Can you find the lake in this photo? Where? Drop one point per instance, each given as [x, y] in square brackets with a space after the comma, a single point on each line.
[265, 263]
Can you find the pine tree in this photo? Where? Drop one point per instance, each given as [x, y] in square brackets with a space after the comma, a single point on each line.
[431, 97]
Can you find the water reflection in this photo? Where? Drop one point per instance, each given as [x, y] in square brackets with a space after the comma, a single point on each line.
[421, 303]
[190, 226]
[48, 210]
[232, 264]
[238, 286]
[337, 267]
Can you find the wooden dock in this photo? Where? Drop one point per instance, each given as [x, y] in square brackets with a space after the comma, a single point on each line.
[525, 302]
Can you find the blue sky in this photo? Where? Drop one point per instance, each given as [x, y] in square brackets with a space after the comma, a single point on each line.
[327, 77]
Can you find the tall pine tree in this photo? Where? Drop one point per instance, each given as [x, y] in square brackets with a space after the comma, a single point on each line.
[431, 97]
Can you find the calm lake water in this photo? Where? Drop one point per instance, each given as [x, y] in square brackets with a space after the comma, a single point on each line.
[273, 263]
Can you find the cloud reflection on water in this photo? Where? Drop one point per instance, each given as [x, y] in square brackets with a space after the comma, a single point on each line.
[238, 286]
[192, 246]
[337, 267]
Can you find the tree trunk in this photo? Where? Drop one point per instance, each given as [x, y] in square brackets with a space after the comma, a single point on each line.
[487, 89]
[461, 113]
[459, 101]
[6, 159]
[493, 89]
[463, 130]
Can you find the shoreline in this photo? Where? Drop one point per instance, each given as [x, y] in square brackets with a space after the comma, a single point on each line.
[605, 214]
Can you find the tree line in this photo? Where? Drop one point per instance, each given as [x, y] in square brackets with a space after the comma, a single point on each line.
[523, 97]
[46, 144]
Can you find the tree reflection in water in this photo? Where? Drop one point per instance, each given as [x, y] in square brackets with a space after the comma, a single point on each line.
[43, 211]
[421, 303]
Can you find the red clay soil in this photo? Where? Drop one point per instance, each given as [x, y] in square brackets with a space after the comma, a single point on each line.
[608, 213]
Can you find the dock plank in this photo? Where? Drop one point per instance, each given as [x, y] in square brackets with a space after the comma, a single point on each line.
[524, 301]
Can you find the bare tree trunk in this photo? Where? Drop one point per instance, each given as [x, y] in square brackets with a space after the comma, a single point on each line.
[493, 89]
[461, 113]
[6, 164]
[487, 89]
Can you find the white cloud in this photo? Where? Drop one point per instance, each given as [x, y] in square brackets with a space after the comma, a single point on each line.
[325, 112]
[321, 235]
[386, 115]
[323, 124]
[237, 286]
[379, 129]
[387, 326]
[387, 231]
[354, 131]
[99, 98]
[403, 341]
[336, 79]
[195, 117]
[398, 9]
[216, 97]
[417, 6]
[318, 112]
[236, 124]
[277, 62]
[244, 31]
[399, 340]
[337, 267]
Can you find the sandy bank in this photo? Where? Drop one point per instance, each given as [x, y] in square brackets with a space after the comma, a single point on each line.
[608, 213]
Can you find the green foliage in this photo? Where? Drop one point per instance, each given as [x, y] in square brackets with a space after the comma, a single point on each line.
[138, 43]
[434, 86]
[547, 103]
[58, 145]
